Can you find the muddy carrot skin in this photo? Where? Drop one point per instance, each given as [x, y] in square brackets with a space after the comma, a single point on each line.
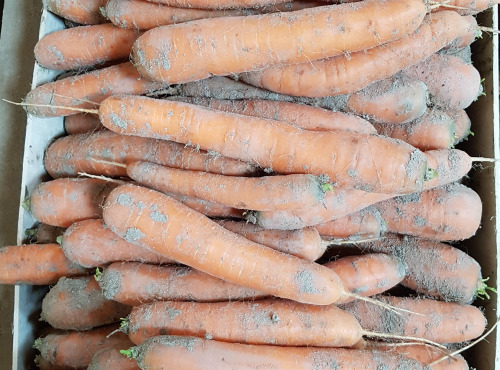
[219, 4]
[111, 358]
[81, 11]
[210, 248]
[462, 125]
[82, 123]
[78, 304]
[191, 353]
[36, 264]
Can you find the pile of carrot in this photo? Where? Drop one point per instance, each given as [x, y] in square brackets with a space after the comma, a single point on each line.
[203, 185]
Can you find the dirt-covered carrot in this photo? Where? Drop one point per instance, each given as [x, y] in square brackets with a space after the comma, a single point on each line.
[191, 353]
[452, 83]
[442, 322]
[86, 90]
[349, 161]
[354, 71]
[90, 243]
[79, 304]
[291, 37]
[135, 283]
[35, 264]
[63, 201]
[75, 349]
[462, 125]
[79, 11]
[278, 192]
[98, 153]
[300, 115]
[112, 358]
[304, 243]
[85, 46]
[81, 123]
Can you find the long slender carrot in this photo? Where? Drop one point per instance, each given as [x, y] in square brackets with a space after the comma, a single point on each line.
[80, 11]
[90, 243]
[98, 153]
[37, 264]
[257, 193]
[352, 72]
[291, 37]
[190, 353]
[84, 46]
[81, 123]
[78, 304]
[111, 358]
[350, 160]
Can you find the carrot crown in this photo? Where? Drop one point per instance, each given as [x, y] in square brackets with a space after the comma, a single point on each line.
[482, 289]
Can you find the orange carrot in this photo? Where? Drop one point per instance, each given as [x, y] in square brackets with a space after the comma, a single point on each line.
[134, 283]
[76, 349]
[78, 304]
[87, 90]
[354, 71]
[81, 11]
[291, 37]
[90, 243]
[111, 358]
[84, 46]
[36, 264]
[210, 248]
[71, 155]
[257, 193]
[63, 201]
[81, 123]
[442, 322]
[190, 353]
[299, 115]
[349, 162]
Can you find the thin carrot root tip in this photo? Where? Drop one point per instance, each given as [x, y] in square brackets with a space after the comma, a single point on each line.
[98, 274]
[327, 187]
[487, 29]
[482, 289]
[396, 310]
[430, 174]
[38, 344]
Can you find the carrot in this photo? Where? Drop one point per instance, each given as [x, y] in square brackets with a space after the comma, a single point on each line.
[272, 144]
[84, 46]
[257, 193]
[304, 243]
[134, 283]
[442, 322]
[354, 71]
[452, 83]
[111, 358]
[78, 304]
[291, 37]
[92, 152]
[434, 130]
[76, 349]
[63, 201]
[87, 90]
[81, 123]
[220, 4]
[209, 247]
[36, 264]
[462, 125]
[190, 353]
[299, 115]
[450, 166]
[79, 11]
[90, 243]
[44, 364]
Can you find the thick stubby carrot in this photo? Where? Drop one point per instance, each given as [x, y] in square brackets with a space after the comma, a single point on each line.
[112, 358]
[278, 192]
[79, 11]
[141, 216]
[35, 264]
[70, 155]
[186, 51]
[87, 90]
[82, 123]
[434, 130]
[78, 304]
[190, 353]
[63, 201]
[296, 114]
[433, 268]
[75, 349]
[352, 72]
[90, 243]
[304, 243]
[135, 283]
[452, 83]
[349, 161]
[442, 322]
[84, 46]
[462, 124]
